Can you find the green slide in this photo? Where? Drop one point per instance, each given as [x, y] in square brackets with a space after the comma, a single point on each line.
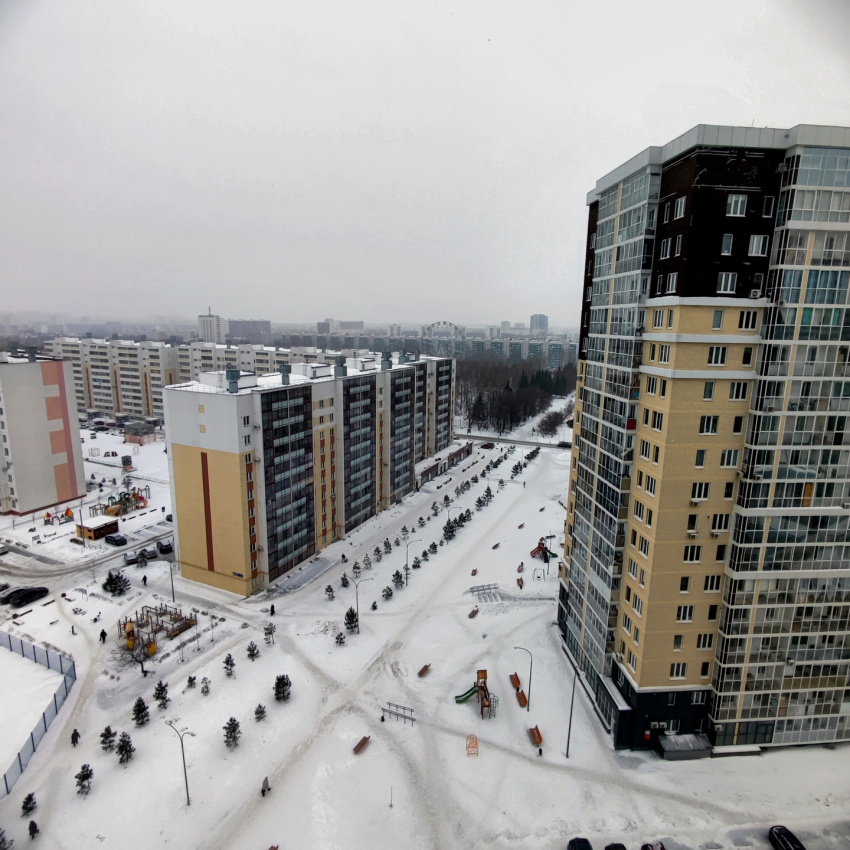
[468, 695]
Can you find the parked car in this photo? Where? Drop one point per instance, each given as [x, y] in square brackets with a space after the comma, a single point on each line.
[116, 539]
[565, 444]
[168, 518]
[100, 429]
[7, 593]
[616, 846]
[4, 550]
[4, 586]
[493, 446]
[27, 595]
[579, 844]
[652, 845]
[131, 557]
[783, 839]
[164, 546]
[150, 554]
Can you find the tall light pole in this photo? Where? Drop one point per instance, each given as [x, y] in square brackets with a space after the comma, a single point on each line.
[183, 753]
[357, 583]
[407, 557]
[572, 700]
[530, 671]
[171, 573]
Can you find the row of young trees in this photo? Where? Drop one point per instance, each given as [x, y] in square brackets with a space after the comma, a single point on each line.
[500, 396]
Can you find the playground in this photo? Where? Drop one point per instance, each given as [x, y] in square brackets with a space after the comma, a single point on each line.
[428, 728]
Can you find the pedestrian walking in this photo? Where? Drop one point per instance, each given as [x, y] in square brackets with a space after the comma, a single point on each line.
[75, 737]
[33, 829]
[272, 612]
[266, 788]
[103, 635]
[145, 581]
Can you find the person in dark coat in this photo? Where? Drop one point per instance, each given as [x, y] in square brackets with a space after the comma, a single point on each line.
[33, 829]
[75, 737]
[265, 789]
[145, 581]
[103, 635]
[272, 611]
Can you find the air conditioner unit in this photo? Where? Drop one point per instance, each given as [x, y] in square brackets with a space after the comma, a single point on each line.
[771, 409]
[846, 506]
[694, 501]
[757, 476]
[618, 656]
[716, 533]
[693, 533]
[781, 168]
[755, 293]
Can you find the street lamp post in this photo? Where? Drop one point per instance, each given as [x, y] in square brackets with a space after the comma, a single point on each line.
[357, 583]
[183, 753]
[171, 573]
[572, 700]
[530, 671]
[407, 557]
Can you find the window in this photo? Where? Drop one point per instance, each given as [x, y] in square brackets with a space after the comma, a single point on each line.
[729, 457]
[652, 351]
[684, 584]
[767, 206]
[246, 439]
[720, 522]
[631, 660]
[678, 670]
[747, 357]
[708, 390]
[656, 453]
[712, 584]
[657, 420]
[664, 354]
[727, 281]
[637, 604]
[692, 554]
[726, 245]
[685, 614]
[672, 280]
[738, 391]
[712, 612]
[642, 579]
[643, 547]
[679, 210]
[717, 355]
[692, 522]
[736, 205]
[658, 319]
[721, 553]
[649, 517]
[246, 421]
[678, 641]
[637, 636]
[670, 314]
[708, 424]
[698, 698]
[717, 320]
[705, 641]
[728, 489]
[651, 385]
[699, 490]
[638, 511]
[666, 213]
[758, 246]
[665, 248]
[627, 623]
[738, 425]
[704, 668]
[644, 449]
[650, 485]
[678, 249]
[633, 568]
[747, 320]
[671, 698]
[663, 393]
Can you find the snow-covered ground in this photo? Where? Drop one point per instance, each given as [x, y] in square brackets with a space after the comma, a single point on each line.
[325, 796]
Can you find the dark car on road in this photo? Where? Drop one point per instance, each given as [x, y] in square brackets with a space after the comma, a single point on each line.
[783, 839]
[164, 546]
[7, 593]
[489, 446]
[579, 844]
[27, 595]
[116, 539]
[565, 444]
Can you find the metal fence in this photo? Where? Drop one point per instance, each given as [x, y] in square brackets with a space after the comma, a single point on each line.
[53, 661]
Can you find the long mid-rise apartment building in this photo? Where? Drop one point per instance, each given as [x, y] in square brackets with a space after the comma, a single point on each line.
[267, 470]
[706, 584]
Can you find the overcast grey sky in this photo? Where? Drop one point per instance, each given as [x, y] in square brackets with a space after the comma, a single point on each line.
[387, 161]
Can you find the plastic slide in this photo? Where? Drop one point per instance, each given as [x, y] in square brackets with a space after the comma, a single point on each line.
[468, 695]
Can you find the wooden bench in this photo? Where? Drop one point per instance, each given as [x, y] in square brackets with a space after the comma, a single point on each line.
[542, 509]
[475, 572]
[496, 546]
[361, 743]
[522, 699]
[520, 568]
[521, 525]
[424, 670]
[514, 680]
[536, 737]
[473, 613]
[519, 581]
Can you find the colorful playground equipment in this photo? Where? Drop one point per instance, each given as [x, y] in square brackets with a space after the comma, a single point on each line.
[144, 626]
[541, 551]
[67, 516]
[127, 501]
[487, 702]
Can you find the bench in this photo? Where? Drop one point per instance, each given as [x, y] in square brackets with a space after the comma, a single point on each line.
[520, 568]
[536, 737]
[519, 581]
[542, 509]
[475, 572]
[361, 743]
[522, 699]
[514, 680]
[521, 525]
[473, 613]
[424, 670]
[496, 546]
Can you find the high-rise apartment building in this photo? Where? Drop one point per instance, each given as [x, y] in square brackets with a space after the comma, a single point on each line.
[212, 328]
[250, 330]
[267, 470]
[41, 463]
[539, 326]
[706, 584]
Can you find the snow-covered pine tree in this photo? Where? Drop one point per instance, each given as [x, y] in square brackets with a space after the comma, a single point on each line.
[404, 529]
[374, 606]
[229, 665]
[398, 579]
[84, 778]
[387, 592]
[356, 569]
[29, 805]
[340, 639]
[260, 713]
[205, 686]
[141, 715]
[268, 632]
[388, 547]
[377, 554]
[421, 522]
[282, 686]
[329, 591]
[351, 619]
[160, 694]
[232, 733]
[425, 555]
[107, 739]
[125, 748]
[367, 562]
[253, 651]
[190, 682]
[344, 580]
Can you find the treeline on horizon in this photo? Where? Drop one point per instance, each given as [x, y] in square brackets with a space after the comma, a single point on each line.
[500, 396]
